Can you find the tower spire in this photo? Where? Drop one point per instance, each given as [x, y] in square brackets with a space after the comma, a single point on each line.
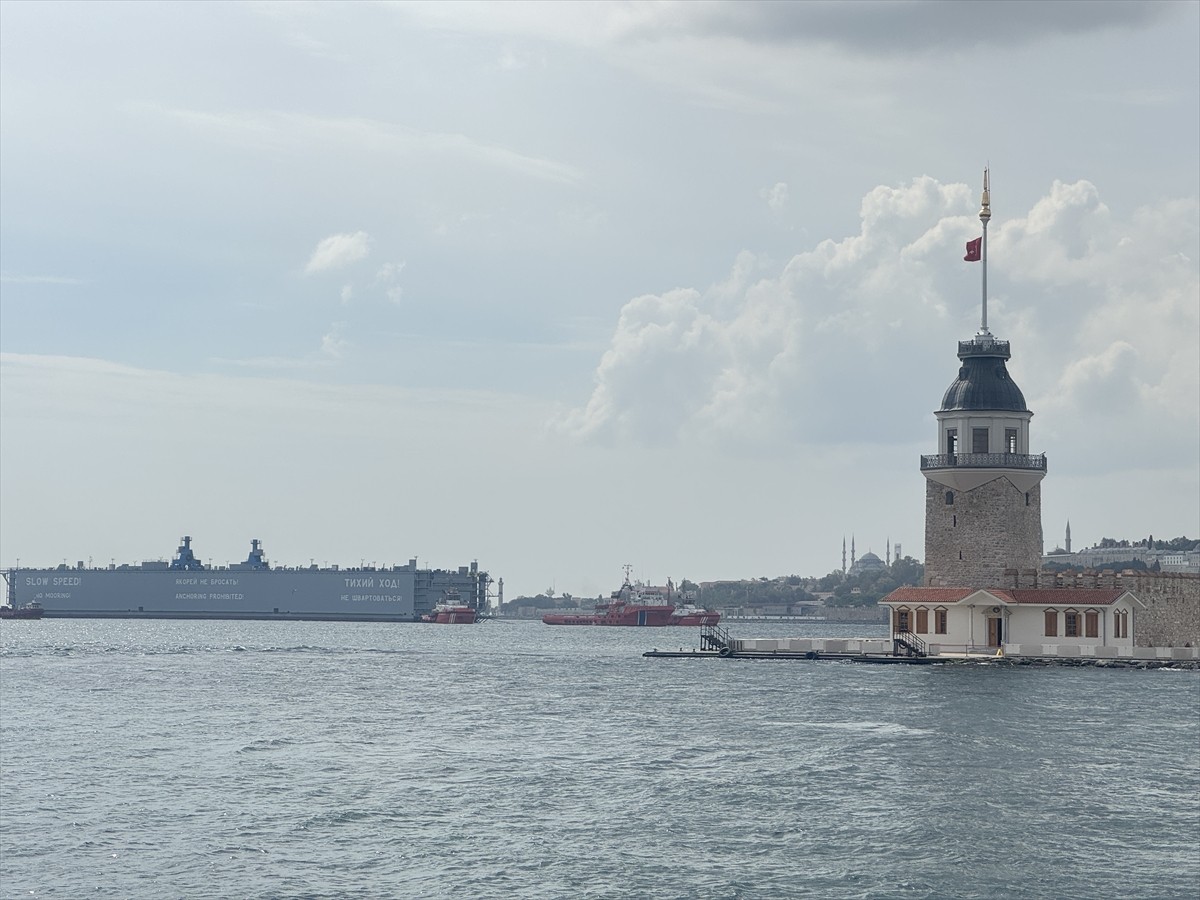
[985, 215]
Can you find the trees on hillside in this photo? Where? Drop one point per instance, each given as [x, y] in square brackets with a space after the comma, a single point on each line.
[784, 591]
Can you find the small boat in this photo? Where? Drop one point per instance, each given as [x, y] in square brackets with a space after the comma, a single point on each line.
[638, 605]
[28, 611]
[689, 614]
[451, 611]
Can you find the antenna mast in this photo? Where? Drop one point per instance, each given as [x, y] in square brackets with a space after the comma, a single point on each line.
[985, 214]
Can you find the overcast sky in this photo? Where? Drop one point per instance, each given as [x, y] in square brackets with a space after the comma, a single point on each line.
[561, 287]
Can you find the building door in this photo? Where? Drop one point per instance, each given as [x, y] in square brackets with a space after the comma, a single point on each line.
[995, 631]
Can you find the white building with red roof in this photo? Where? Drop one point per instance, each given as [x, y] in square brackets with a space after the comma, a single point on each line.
[1089, 622]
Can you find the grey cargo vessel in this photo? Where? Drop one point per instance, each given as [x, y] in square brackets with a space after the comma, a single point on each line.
[186, 588]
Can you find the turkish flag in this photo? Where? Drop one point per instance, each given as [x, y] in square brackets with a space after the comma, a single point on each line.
[974, 250]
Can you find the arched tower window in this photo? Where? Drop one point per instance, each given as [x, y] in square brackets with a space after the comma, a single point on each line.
[949, 498]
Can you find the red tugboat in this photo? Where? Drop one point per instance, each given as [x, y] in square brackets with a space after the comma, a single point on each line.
[28, 611]
[451, 611]
[638, 606]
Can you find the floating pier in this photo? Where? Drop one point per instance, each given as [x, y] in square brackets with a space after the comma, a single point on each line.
[717, 642]
[907, 648]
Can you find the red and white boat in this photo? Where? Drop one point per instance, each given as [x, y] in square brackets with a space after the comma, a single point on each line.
[451, 611]
[444, 614]
[638, 605]
[687, 614]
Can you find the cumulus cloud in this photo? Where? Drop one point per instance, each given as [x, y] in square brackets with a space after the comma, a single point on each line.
[854, 340]
[339, 250]
[776, 196]
[332, 342]
[388, 278]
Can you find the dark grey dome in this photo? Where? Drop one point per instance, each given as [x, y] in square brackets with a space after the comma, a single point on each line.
[983, 383]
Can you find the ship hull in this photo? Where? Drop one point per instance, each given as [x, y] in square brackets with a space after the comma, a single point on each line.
[707, 618]
[7, 612]
[624, 617]
[401, 594]
[458, 615]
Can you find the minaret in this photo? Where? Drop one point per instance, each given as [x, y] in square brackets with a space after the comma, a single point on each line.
[1068, 548]
[983, 501]
[843, 554]
[853, 555]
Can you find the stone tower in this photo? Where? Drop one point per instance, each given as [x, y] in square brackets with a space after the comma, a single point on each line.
[983, 500]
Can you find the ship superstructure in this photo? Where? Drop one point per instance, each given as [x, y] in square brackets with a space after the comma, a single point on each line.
[186, 588]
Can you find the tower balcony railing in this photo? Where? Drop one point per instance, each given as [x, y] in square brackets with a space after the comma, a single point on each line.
[983, 346]
[984, 461]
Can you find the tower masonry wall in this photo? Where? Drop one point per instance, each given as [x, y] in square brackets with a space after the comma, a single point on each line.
[981, 534]
[1172, 614]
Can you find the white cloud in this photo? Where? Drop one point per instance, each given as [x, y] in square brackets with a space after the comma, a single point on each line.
[513, 59]
[332, 342]
[347, 294]
[275, 132]
[388, 277]
[776, 196]
[5, 278]
[854, 340]
[339, 250]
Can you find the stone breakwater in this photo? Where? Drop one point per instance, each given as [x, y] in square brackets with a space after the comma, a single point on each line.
[1045, 662]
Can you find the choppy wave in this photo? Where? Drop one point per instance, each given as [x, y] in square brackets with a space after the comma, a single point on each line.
[269, 760]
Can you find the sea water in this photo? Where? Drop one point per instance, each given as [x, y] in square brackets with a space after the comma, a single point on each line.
[154, 759]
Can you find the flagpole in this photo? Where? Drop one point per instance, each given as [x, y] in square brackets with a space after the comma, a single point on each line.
[985, 214]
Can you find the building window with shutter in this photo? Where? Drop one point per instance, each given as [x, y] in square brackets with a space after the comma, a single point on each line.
[903, 620]
[1010, 440]
[1091, 624]
[939, 621]
[922, 620]
[951, 441]
[1052, 623]
[979, 440]
[1071, 623]
[1120, 624]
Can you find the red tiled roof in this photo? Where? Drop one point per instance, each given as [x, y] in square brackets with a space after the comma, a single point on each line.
[1062, 596]
[927, 595]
